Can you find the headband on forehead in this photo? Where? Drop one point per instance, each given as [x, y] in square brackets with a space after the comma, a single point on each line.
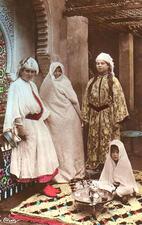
[107, 58]
[29, 63]
[23, 61]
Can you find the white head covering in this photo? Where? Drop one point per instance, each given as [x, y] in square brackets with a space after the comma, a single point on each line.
[28, 63]
[122, 172]
[53, 67]
[57, 90]
[107, 58]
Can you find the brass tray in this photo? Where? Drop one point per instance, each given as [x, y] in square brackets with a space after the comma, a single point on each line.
[92, 192]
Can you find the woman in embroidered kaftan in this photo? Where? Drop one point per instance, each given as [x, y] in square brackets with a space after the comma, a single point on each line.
[35, 156]
[103, 109]
[65, 123]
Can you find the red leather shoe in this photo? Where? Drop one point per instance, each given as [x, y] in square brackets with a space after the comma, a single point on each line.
[51, 191]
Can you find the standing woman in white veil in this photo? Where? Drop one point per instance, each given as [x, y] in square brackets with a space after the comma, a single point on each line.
[64, 122]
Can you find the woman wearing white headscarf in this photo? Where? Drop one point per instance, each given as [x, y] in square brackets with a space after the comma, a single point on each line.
[35, 156]
[103, 109]
[119, 171]
[65, 123]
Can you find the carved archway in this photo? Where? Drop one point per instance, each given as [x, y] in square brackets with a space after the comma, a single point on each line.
[42, 22]
[3, 77]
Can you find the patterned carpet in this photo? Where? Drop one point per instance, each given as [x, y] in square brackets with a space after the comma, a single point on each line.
[62, 209]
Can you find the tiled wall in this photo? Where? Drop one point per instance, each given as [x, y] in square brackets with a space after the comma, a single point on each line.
[7, 187]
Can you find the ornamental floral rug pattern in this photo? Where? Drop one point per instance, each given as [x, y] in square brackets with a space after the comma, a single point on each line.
[63, 210]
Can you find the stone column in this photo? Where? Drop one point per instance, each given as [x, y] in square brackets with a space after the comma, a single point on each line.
[77, 53]
[138, 72]
[126, 67]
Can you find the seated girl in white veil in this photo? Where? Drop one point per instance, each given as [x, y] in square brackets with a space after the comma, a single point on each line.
[118, 171]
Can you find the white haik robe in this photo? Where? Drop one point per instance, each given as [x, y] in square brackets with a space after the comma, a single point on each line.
[65, 124]
[120, 172]
[36, 156]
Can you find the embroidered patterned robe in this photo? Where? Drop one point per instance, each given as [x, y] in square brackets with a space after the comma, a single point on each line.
[104, 125]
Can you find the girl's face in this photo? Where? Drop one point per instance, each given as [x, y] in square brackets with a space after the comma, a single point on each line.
[27, 74]
[58, 72]
[114, 153]
[102, 66]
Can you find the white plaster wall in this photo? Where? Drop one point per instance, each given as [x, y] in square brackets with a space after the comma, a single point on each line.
[57, 40]
[67, 43]
[24, 32]
[77, 46]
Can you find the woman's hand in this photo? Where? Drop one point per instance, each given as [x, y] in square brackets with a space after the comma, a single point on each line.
[21, 132]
